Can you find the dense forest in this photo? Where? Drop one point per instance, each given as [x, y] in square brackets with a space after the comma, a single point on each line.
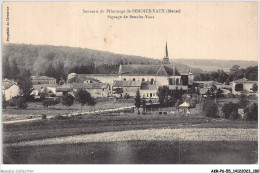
[37, 58]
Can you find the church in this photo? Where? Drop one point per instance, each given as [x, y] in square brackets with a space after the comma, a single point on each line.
[145, 78]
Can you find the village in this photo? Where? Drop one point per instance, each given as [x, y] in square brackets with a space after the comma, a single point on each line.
[147, 80]
[137, 109]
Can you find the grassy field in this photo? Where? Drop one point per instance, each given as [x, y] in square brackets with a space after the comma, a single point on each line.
[125, 152]
[36, 109]
[135, 152]
[41, 129]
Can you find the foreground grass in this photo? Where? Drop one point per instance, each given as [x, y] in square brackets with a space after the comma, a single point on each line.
[37, 109]
[41, 129]
[135, 152]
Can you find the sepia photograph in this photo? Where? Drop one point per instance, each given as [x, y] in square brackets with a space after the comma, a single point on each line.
[130, 83]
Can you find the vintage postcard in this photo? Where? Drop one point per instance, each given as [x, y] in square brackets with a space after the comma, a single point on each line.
[171, 83]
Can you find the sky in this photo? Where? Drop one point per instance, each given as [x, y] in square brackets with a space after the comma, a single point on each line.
[202, 30]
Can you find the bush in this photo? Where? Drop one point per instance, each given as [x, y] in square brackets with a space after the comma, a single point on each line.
[44, 116]
[49, 102]
[67, 100]
[126, 96]
[234, 115]
[21, 103]
[230, 95]
[243, 100]
[59, 117]
[228, 108]
[52, 95]
[251, 112]
[211, 109]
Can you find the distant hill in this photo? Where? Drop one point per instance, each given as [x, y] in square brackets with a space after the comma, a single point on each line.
[213, 65]
[38, 57]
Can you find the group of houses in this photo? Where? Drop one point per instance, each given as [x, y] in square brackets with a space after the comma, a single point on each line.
[130, 78]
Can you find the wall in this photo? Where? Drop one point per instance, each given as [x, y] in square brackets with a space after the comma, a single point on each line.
[246, 87]
[144, 93]
[105, 78]
[11, 92]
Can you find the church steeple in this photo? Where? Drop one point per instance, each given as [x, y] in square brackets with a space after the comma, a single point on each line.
[166, 55]
[166, 58]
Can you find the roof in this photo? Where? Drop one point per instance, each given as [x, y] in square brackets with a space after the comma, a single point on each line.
[185, 104]
[128, 83]
[208, 82]
[80, 78]
[39, 86]
[153, 70]
[244, 80]
[70, 87]
[6, 84]
[96, 75]
[42, 78]
[89, 85]
[149, 87]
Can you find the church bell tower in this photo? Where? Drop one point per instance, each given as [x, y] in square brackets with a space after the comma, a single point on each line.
[166, 58]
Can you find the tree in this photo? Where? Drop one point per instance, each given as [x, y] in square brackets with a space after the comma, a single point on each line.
[15, 70]
[255, 88]
[143, 105]
[211, 109]
[83, 97]
[4, 102]
[49, 102]
[234, 69]
[243, 101]
[60, 72]
[50, 71]
[126, 96]
[25, 83]
[21, 102]
[219, 93]
[178, 102]
[92, 102]
[137, 101]
[67, 100]
[251, 112]
[234, 115]
[228, 108]
[162, 93]
[6, 68]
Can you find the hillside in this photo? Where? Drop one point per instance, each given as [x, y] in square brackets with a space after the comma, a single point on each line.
[213, 65]
[38, 57]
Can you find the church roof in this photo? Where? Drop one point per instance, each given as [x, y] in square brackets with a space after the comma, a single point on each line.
[153, 70]
[80, 78]
[129, 83]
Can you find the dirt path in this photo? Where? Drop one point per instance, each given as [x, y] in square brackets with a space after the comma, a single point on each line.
[189, 134]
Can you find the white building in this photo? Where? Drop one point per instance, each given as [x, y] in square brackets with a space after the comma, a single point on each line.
[10, 89]
[242, 85]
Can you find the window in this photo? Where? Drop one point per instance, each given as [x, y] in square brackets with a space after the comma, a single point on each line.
[143, 79]
[133, 79]
[151, 94]
[152, 81]
[239, 87]
[177, 81]
[170, 81]
[147, 94]
[124, 79]
[103, 89]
